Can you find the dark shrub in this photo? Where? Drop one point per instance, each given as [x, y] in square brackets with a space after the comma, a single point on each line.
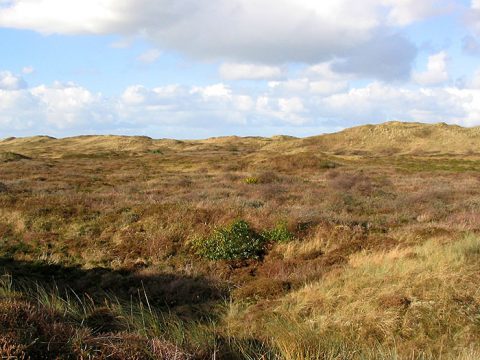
[235, 242]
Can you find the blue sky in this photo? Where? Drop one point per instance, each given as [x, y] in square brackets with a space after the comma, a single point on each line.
[201, 68]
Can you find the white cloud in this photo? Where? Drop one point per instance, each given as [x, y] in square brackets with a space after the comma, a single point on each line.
[379, 102]
[328, 87]
[101, 16]
[134, 95]
[473, 16]
[245, 31]
[323, 71]
[61, 16]
[436, 72]
[68, 108]
[307, 86]
[236, 71]
[18, 111]
[149, 56]
[469, 100]
[209, 106]
[322, 80]
[9, 81]
[243, 103]
[69, 105]
[404, 12]
[213, 91]
[474, 81]
[289, 111]
[46, 108]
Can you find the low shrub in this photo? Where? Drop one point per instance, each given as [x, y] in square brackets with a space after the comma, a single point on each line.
[235, 242]
[156, 151]
[251, 180]
[279, 233]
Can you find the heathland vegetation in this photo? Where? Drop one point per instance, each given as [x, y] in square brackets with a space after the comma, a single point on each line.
[364, 244]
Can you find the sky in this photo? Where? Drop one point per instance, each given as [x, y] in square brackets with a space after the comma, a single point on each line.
[192, 69]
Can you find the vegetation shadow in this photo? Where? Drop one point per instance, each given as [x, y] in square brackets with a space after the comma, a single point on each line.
[190, 297]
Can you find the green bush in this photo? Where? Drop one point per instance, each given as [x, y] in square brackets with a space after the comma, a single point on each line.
[156, 151]
[279, 233]
[251, 180]
[235, 242]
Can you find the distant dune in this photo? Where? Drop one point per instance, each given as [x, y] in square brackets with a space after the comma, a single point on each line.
[404, 138]
[384, 139]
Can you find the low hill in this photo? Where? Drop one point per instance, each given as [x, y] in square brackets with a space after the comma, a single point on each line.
[402, 138]
[383, 139]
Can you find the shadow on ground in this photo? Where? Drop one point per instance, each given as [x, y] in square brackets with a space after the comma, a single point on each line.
[187, 296]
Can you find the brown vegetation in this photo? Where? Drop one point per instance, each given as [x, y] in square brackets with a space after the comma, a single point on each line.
[369, 249]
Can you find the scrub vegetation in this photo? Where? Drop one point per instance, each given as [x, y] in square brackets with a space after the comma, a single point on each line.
[364, 244]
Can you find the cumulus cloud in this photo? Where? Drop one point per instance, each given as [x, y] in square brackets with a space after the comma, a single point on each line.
[58, 106]
[18, 109]
[9, 81]
[404, 12]
[69, 108]
[474, 81]
[69, 105]
[308, 86]
[317, 98]
[241, 71]
[323, 71]
[149, 56]
[209, 106]
[436, 72]
[248, 31]
[475, 5]
[378, 102]
[59, 16]
[219, 91]
[318, 79]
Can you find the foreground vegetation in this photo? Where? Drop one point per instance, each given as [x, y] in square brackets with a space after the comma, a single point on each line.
[336, 247]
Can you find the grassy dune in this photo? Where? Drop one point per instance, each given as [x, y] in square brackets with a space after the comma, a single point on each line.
[364, 244]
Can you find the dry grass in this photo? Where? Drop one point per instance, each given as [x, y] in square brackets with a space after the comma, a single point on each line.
[381, 261]
[415, 299]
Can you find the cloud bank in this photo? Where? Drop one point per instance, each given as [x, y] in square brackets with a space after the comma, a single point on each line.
[67, 108]
[364, 40]
[282, 64]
